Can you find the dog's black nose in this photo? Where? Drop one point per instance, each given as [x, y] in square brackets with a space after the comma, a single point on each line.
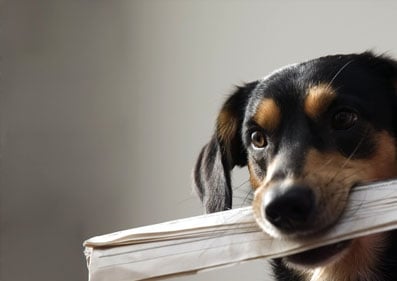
[289, 208]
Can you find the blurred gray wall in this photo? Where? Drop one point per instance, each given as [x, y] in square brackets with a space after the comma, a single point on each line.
[105, 105]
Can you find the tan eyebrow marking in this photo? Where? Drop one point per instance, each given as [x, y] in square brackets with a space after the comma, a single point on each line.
[268, 114]
[318, 99]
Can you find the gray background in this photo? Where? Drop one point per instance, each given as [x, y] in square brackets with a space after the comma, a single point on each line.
[106, 104]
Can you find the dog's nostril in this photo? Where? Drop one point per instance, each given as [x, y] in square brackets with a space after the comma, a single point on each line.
[291, 208]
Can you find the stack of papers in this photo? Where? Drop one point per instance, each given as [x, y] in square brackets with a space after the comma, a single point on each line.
[208, 241]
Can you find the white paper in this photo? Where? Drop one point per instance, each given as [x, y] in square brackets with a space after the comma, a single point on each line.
[208, 241]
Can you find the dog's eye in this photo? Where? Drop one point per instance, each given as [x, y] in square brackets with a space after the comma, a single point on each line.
[258, 139]
[344, 119]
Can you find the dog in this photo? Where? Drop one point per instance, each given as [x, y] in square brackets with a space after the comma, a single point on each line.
[309, 133]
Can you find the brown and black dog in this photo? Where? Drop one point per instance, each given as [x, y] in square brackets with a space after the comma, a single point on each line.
[309, 133]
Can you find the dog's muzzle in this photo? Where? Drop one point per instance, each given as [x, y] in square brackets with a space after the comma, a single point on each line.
[289, 208]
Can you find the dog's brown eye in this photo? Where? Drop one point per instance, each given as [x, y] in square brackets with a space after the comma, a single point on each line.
[258, 139]
[344, 120]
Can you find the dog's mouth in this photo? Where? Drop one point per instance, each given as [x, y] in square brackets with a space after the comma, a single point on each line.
[318, 256]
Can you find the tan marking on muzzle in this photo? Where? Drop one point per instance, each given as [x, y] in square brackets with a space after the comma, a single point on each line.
[254, 179]
[331, 177]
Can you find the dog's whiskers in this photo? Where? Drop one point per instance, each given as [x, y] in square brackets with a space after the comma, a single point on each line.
[339, 72]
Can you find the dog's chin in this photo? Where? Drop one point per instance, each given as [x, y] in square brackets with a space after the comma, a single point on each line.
[314, 258]
[318, 257]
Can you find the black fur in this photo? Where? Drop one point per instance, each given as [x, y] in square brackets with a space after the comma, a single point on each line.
[364, 81]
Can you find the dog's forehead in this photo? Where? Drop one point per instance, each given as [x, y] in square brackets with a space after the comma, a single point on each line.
[310, 89]
[294, 80]
[286, 86]
[290, 86]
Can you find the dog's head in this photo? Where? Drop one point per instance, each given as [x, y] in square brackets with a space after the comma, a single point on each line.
[308, 133]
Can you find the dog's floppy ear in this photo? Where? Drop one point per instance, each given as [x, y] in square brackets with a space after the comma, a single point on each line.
[224, 151]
